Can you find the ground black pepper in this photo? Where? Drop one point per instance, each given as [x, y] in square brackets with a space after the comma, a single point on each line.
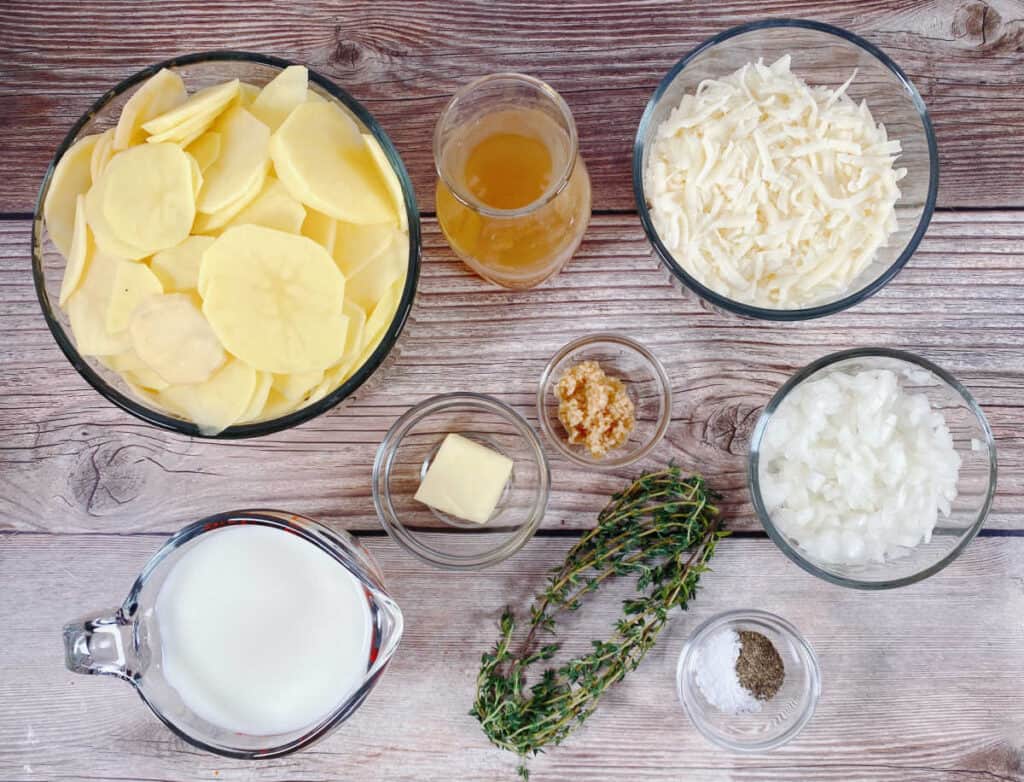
[759, 666]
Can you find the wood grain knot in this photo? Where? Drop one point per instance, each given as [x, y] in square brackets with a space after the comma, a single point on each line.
[729, 427]
[109, 475]
[981, 25]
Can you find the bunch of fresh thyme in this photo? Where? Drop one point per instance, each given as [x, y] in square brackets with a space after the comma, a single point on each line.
[663, 529]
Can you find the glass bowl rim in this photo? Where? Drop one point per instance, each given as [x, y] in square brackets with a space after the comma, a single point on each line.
[779, 625]
[768, 313]
[257, 429]
[657, 369]
[382, 469]
[793, 553]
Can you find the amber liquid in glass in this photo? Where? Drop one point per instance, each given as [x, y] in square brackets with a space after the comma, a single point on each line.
[513, 163]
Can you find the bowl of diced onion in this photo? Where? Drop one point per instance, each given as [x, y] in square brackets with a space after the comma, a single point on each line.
[785, 170]
[258, 295]
[872, 468]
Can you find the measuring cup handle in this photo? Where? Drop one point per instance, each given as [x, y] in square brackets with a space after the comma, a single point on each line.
[100, 645]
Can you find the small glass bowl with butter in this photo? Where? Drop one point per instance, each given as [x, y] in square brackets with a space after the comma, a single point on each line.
[624, 366]
[461, 481]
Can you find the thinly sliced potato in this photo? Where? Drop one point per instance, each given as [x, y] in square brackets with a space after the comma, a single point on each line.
[217, 403]
[71, 178]
[207, 103]
[146, 378]
[320, 228]
[133, 283]
[162, 92]
[313, 96]
[205, 149]
[357, 245]
[390, 179]
[369, 285]
[178, 267]
[254, 410]
[81, 247]
[321, 157]
[103, 233]
[213, 224]
[242, 160]
[274, 207]
[277, 405]
[101, 153]
[148, 200]
[296, 385]
[185, 133]
[247, 93]
[274, 299]
[171, 335]
[87, 309]
[380, 320]
[197, 175]
[281, 94]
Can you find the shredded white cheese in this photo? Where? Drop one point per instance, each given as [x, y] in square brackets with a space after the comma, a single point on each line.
[771, 192]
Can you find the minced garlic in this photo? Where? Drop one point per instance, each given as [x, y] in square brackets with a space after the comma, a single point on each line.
[595, 409]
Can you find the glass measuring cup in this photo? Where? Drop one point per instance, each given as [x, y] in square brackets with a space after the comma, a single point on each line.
[125, 642]
[512, 228]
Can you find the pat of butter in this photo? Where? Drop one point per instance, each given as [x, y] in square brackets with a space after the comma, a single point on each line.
[465, 479]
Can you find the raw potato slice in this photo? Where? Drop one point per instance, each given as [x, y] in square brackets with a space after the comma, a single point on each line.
[282, 94]
[101, 153]
[171, 335]
[320, 155]
[314, 97]
[242, 160]
[197, 175]
[205, 103]
[247, 93]
[205, 149]
[162, 92]
[71, 178]
[185, 133]
[77, 255]
[357, 245]
[87, 309]
[178, 267]
[217, 403]
[214, 223]
[147, 197]
[390, 179]
[369, 285]
[133, 283]
[277, 406]
[274, 207]
[102, 232]
[274, 299]
[320, 228]
[264, 381]
[340, 372]
[296, 385]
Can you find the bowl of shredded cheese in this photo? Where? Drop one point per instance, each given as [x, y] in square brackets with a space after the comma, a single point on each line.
[872, 468]
[785, 170]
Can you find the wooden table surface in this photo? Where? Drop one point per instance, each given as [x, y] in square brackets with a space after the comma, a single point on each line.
[921, 683]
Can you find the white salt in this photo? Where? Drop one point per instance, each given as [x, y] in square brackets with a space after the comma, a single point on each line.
[716, 674]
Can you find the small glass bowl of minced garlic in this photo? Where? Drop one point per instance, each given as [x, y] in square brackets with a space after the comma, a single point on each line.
[748, 680]
[604, 401]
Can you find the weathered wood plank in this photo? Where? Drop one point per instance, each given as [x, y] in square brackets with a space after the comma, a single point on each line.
[405, 59]
[919, 683]
[69, 461]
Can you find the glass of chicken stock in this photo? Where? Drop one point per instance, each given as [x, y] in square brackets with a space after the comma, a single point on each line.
[513, 194]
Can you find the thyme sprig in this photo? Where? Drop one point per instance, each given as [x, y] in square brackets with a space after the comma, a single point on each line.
[663, 529]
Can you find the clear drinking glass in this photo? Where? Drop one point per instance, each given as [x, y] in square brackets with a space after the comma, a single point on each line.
[510, 242]
[125, 642]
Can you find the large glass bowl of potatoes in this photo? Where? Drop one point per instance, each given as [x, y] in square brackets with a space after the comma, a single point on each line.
[226, 245]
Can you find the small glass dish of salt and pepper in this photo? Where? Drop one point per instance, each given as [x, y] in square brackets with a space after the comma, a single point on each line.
[748, 680]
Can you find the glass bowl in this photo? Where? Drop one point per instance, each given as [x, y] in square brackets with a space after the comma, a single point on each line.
[780, 718]
[975, 487]
[825, 55]
[646, 383]
[406, 453]
[202, 70]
